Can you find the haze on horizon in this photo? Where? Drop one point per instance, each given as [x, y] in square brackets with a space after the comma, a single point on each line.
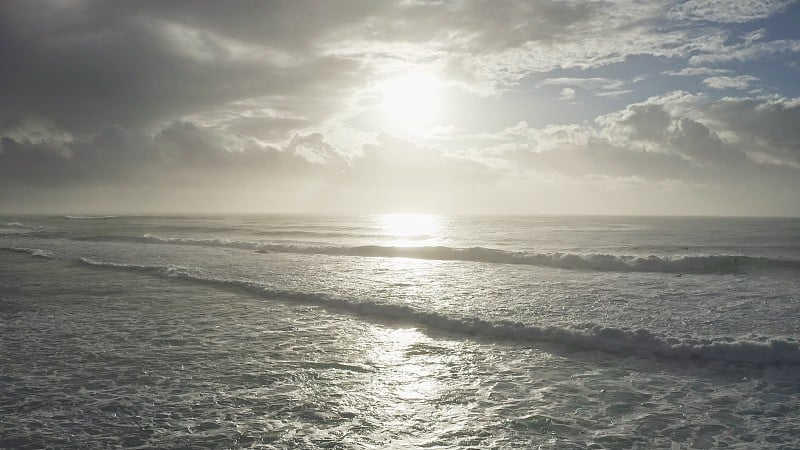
[519, 107]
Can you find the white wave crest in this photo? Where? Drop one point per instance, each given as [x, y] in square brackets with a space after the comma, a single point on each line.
[706, 264]
[89, 217]
[712, 264]
[22, 228]
[31, 251]
[590, 337]
[20, 225]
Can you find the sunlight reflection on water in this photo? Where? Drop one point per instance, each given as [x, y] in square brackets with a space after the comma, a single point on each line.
[409, 379]
[411, 229]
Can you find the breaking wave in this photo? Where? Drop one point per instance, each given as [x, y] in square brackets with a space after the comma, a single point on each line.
[716, 264]
[706, 264]
[89, 217]
[31, 251]
[587, 337]
[21, 225]
[149, 238]
[23, 228]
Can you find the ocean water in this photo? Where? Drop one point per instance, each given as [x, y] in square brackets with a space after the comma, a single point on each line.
[399, 331]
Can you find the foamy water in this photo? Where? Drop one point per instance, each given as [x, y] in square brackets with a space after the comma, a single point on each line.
[399, 331]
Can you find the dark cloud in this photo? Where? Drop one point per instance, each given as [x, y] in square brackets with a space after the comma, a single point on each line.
[86, 65]
[181, 154]
[646, 122]
[774, 122]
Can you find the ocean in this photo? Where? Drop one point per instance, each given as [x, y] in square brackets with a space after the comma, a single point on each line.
[399, 331]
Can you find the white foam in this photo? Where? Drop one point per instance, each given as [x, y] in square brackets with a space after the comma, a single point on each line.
[767, 350]
[21, 228]
[31, 251]
[19, 225]
[711, 264]
[89, 217]
[708, 264]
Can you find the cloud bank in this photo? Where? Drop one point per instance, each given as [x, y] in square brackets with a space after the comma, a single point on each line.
[548, 107]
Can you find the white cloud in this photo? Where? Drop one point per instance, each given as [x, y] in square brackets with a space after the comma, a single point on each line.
[696, 72]
[618, 93]
[603, 87]
[746, 51]
[592, 84]
[567, 94]
[755, 35]
[286, 91]
[725, 11]
[679, 136]
[737, 82]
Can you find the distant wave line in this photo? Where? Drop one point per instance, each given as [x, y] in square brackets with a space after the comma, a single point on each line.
[20, 227]
[711, 264]
[706, 264]
[31, 251]
[89, 217]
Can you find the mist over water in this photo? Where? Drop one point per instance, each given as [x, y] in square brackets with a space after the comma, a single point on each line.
[399, 330]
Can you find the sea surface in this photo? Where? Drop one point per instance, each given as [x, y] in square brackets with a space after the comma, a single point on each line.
[399, 331]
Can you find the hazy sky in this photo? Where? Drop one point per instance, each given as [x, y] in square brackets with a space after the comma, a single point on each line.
[661, 107]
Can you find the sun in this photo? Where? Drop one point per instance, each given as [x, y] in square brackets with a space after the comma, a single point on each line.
[412, 100]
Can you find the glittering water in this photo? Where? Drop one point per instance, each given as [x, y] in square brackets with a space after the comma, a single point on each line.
[399, 331]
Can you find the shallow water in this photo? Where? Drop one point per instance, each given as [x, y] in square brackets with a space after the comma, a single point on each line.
[112, 338]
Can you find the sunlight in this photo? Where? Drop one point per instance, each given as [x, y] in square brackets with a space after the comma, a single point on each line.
[412, 100]
[411, 227]
[411, 377]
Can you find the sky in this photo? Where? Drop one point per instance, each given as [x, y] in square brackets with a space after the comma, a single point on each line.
[469, 107]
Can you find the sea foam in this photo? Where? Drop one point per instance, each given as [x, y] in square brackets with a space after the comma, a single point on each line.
[707, 264]
[622, 341]
[700, 264]
[89, 217]
[31, 251]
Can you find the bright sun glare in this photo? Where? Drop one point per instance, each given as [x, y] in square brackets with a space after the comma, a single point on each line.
[411, 229]
[412, 100]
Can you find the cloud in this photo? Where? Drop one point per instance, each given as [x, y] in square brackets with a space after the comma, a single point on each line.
[603, 87]
[767, 125]
[696, 72]
[726, 12]
[755, 35]
[175, 155]
[87, 65]
[255, 95]
[594, 83]
[678, 136]
[703, 130]
[567, 94]
[723, 82]
[490, 46]
[747, 51]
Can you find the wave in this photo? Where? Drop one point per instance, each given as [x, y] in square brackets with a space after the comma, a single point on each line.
[707, 264]
[9, 231]
[22, 228]
[639, 342]
[149, 238]
[31, 251]
[89, 217]
[336, 234]
[22, 225]
[274, 232]
[713, 264]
